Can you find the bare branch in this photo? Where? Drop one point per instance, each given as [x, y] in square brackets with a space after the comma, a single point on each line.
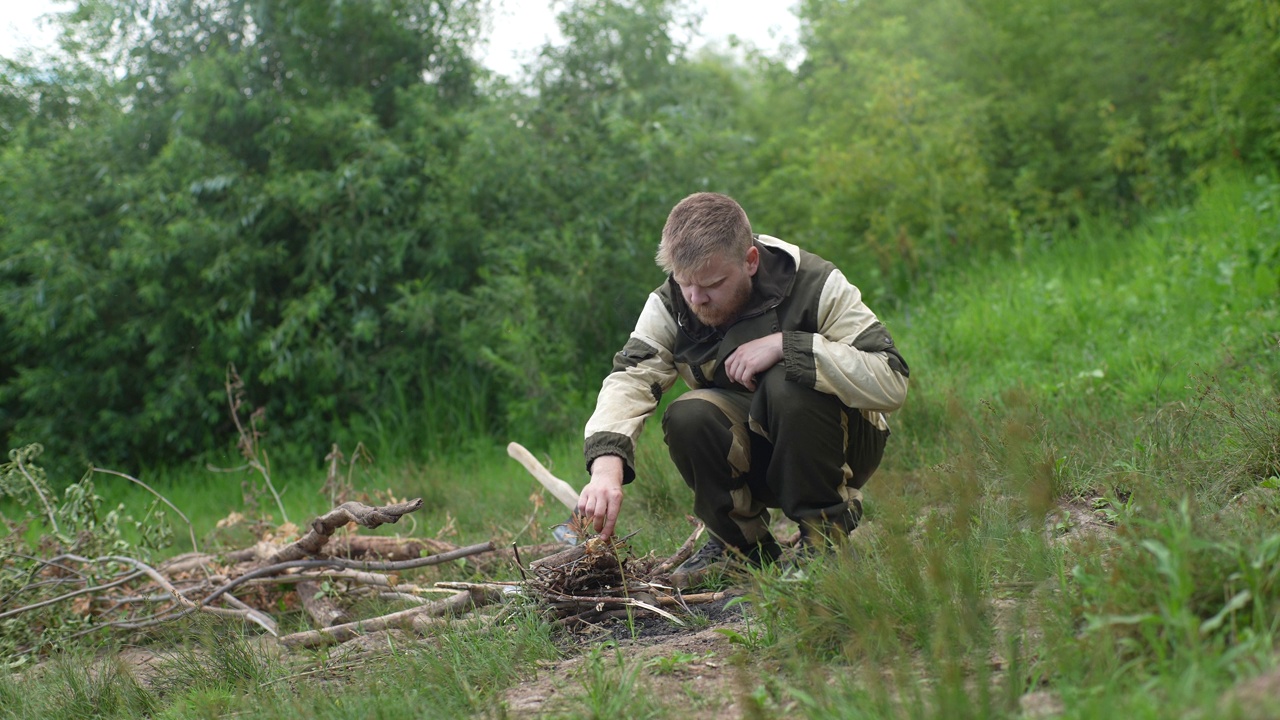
[251, 615]
[403, 597]
[248, 442]
[685, 551]
[403, 618]
[325, 525]
[350, 564]
[190, 530]
[48, 510]
[68, 596]
[262, 619]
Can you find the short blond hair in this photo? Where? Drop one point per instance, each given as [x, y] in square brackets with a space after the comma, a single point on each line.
[701, 227]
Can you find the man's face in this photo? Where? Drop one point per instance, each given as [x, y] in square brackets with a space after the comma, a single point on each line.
[718, 292]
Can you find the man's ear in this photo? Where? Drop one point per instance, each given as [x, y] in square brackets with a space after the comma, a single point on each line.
[753, 260]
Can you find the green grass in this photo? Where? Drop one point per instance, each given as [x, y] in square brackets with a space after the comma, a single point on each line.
[1109, 323]
[1126, 375]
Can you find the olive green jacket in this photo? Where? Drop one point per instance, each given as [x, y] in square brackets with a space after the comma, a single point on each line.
[831, 341]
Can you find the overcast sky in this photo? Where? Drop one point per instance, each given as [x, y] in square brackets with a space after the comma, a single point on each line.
[519, 26]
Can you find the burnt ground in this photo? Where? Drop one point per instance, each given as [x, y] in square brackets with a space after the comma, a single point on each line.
[654, 629]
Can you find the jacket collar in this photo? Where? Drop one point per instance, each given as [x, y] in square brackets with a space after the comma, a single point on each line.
[769, 287]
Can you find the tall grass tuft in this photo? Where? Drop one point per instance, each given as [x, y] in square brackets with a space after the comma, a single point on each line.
[77, 686]
[217, 656]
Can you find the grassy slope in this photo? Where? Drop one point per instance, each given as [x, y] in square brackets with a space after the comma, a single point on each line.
[1126, 371]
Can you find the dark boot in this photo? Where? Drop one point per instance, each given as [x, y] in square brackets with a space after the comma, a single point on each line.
[714, 558]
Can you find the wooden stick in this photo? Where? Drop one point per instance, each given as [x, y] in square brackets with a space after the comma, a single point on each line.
[560, 489]
[684, 552]
[585, 617]
[403, 597]
[351, 564]
[347, 631]
[560, 559]
[582, 599]
[528, 553]
[566, 601]
[489, 591]
[363, 578]
[186, 562]
[267, 621]
[190, 529]
[696, 599]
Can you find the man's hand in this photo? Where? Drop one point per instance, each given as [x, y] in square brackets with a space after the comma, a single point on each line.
[601, 499]
[753, 358]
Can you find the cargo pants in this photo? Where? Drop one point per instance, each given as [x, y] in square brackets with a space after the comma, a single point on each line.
[783, 446]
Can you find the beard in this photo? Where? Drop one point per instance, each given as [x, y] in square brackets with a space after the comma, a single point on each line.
[723, 313]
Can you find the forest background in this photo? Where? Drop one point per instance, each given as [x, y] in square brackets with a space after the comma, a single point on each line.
[377, 233]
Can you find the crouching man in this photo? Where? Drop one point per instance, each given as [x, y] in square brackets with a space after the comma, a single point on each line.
[791, 377]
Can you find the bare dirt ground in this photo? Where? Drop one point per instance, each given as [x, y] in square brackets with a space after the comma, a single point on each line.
[692, 669]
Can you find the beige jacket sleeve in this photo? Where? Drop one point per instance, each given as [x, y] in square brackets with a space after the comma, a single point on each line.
[642, 371]
[851, 356]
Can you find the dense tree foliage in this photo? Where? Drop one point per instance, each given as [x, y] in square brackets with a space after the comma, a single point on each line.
[334, 197]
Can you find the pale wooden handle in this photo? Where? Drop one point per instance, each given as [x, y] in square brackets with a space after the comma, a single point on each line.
[562, 490]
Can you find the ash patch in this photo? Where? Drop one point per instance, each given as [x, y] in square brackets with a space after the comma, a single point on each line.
[645, 626]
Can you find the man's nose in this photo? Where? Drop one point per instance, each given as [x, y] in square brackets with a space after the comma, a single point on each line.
[697, 297]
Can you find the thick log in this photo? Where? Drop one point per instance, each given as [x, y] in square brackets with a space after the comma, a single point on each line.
[349, 512]
[324, 612]
[387, 548]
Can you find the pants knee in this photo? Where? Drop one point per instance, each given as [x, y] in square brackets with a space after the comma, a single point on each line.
[699, 437]
[687, 421]
[783, 402]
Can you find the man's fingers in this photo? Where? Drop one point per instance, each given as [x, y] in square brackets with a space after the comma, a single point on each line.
[592, 512]
[599, 507]
[611, 518]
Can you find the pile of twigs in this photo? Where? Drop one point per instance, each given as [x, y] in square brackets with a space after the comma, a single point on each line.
[578, 586]
[600, 580]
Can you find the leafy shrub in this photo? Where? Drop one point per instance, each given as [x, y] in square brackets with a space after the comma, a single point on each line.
[76, 524]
